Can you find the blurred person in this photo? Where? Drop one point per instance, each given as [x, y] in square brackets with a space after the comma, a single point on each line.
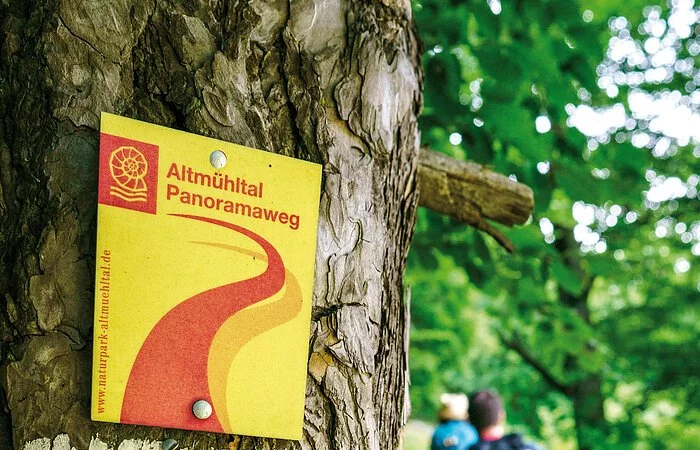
[489, 417]
[453, 432]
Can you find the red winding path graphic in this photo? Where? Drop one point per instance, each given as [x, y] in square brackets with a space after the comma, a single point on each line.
[170, 371]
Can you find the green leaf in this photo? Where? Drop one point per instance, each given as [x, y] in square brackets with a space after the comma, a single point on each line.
[602, 265]
[530, 292]
[576, 180]
[543, 189]
[566, 278]
[516, 125]
[526, 238]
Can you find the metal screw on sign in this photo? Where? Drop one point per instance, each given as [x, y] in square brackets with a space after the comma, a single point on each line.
[217, 159]
[202, 409]
[170, 444]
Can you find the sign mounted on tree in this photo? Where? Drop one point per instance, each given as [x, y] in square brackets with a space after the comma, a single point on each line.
[204, 276]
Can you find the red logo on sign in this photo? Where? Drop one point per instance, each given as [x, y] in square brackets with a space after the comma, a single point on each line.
[128, 174]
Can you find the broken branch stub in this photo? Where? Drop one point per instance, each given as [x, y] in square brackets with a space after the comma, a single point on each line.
[471, 193]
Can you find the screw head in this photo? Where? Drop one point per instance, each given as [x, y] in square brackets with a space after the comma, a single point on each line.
[202, 409]
[170, 444]
[217, 159]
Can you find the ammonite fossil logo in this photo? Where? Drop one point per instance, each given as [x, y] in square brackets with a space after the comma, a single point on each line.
[129, 168]
[128, 173]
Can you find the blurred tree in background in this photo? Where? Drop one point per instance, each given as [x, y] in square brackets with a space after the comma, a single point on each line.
[590, 330]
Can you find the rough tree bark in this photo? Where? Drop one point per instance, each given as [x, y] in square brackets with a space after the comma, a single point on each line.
[331, 81]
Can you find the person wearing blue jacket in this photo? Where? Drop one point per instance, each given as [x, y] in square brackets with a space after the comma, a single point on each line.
[454, 431]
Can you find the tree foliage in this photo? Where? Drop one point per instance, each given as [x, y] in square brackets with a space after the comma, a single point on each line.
[590, 329]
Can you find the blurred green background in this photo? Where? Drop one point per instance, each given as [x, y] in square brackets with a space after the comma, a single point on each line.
[590, 329]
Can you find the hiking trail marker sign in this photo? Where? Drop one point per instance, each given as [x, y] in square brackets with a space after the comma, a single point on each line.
[204, 276]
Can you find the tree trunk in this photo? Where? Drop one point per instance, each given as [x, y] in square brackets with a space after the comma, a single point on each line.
[331, 81]
[586, 393]
[591, 426]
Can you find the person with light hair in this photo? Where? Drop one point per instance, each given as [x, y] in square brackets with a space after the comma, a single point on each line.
[454, 431]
